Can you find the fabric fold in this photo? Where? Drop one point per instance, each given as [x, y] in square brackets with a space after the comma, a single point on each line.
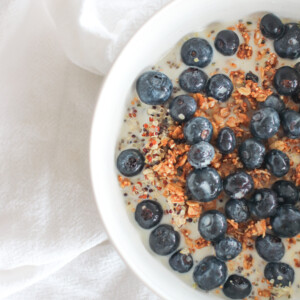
[51, 55]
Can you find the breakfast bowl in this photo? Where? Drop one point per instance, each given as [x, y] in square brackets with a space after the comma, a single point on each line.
[160, 34]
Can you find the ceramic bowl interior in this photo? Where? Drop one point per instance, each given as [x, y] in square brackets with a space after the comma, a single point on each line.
[149, 44]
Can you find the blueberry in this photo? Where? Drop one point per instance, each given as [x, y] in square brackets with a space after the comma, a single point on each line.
[204, 184]
[154, 88]
[291, 123]
[193, 80]
[237, 210]
[296, 96]
[264, 123]
[198, 129]
[280, 274]
[286, 222]
[130, 162]
[288, 45]
[297, 67]
[252, 77]
[219, 87]
[271, 26]
[238, 184]
[201, 155]
[164, 239]
[196, 52]
[237, 287]
[286, 81]
[277, 162]
[180, 262]
[275, 102]
[252, 153]
[270, 247]
[227, 42]
[227, 248]
[210, 273]
[263, 203]
[287, 192]
[182, 108]
[226, 140]
[212, 225]
[148, 213]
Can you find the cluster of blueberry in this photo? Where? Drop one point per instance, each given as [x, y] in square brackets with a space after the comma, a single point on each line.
[286, 36]
[287, 45]
[204, 183]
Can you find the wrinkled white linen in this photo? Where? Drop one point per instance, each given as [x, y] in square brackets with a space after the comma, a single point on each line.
[96, 274]
[52, 53]
[93, 32]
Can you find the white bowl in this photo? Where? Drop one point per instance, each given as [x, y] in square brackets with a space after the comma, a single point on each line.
[148, 45]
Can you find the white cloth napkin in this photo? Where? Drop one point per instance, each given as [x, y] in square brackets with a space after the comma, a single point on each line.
[52, 243]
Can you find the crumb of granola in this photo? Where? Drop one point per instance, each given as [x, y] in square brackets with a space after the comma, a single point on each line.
[245, 51]
[232, 122]
[123, 181]
[262, 53]
[248, 261]
[231, 28]
[257, 92]
[264, 293]
[244, 91]
[233, 223]
[176, 132]
[134, 101]
[220, 121]
[244, 32]
[194, 209]
[224, 112]
[297, 175]
[193, 245]
[229, 163]
[261, 227]
[297, 262]
[260, 177]
[259, 39]
[209, 205]
[246, 232]
[272, 61]
[280, 145]
[268, 72]
[291, 241]
[175, 192]
[216, 162]
[204, 103]
[201, 243]
[237, 77]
